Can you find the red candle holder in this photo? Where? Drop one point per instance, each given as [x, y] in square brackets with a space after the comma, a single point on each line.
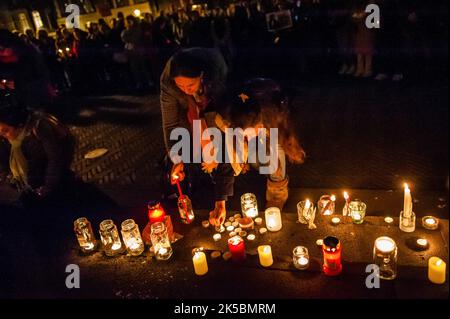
[331, 249]
[237, 248]
[156, 212]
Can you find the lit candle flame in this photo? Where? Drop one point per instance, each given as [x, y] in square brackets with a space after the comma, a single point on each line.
[307, 204]
[333, 198]
[439, 262]
[346, 196]
[407, 188]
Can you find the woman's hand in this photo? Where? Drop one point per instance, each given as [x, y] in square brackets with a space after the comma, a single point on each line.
[219, 214]
[177, 173]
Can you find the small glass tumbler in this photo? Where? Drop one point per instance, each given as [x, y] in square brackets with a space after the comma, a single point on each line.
[160, 241]
[357, 211]
[273, 219]
[249, 205]
[132, 237]
[110, 238]
[385, 257]
[300, 257]
[85, 235]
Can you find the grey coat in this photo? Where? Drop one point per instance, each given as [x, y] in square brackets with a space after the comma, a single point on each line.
[174, 104]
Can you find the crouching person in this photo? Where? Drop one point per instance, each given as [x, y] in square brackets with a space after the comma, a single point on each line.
[35, 154]
[258, 105]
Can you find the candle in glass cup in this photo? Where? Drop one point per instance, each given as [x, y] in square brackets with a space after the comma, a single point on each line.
[156, 212]
[265, 255]
[300, 257]
[331, 250]
[237, 248]
[249, 205]
[273, 219]
[85, 235]
[326, 204]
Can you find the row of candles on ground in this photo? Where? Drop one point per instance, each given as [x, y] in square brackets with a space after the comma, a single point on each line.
[384, 256]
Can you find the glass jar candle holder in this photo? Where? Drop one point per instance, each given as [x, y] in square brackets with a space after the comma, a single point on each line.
[357, 211]
[160, 241]
[132, 237]
[249, 205]
[300, 257]
[407, 222]
[385, 257]
[331, 249]
[156, 212]
[85, 235]
[305, 211]
[273, 219]
[185, 209]
[326, 204]
[110, 238]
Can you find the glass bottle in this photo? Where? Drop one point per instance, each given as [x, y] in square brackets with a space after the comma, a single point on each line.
[185, 209]
[132, 237]
[160, 241]
[110, 238]
[85, 235]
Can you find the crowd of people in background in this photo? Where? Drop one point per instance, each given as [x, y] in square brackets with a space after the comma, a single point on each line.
[127, 53]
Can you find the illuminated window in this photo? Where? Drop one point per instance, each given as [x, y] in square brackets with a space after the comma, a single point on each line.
[37, 19]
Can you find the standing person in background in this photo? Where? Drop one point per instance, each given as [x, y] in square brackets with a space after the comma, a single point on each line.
[364, 41]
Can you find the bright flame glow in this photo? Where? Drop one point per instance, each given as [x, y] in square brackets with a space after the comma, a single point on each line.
[137, 12]
[333, 198]
[346, 196]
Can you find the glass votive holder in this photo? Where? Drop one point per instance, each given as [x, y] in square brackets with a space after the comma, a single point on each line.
[273, 219]
[160, 241]
[110, 238]
[185, 209]
[249, 205]
[407, 222]
[430, 222]
[85, 235]
[300, 257]
[357, 211]
[326, 204]
[132, 237]
[305, 211]
[385, 257]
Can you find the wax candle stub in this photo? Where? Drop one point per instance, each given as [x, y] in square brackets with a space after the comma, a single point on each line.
[205, 224]
[436, 270]
[430, 222]
[388, 220]
[335, 220]
[262, 230]
[251, 237]
[258, 221]
[217, 237]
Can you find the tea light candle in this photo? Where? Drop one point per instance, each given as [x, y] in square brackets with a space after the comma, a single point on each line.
[217, 237]
[200, 263]
[116, 246]
[236, 216]
[335, 220]
[205, 224]
[262, 230]
[237, 230]
[258, 221]
[422, 243]
[388, 220]
[230, 228]
[231, 219]
[251, 237]
[232, 234]
[265, 255]
[162, 251]
[242, 233]
[436, 270]
[273, 219]
[237, 248]
[430, 222]
[235, 224]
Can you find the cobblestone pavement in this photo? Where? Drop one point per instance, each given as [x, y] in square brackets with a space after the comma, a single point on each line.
[356, 136]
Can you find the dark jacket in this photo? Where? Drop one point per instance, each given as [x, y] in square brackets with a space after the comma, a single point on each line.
[174, 104]
[48, 149]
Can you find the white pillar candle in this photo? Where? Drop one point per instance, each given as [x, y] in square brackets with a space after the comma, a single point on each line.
[407, 202]
[265, 255]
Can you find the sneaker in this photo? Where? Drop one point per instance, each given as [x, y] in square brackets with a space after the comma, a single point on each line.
[380, 77]
[397, 77]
